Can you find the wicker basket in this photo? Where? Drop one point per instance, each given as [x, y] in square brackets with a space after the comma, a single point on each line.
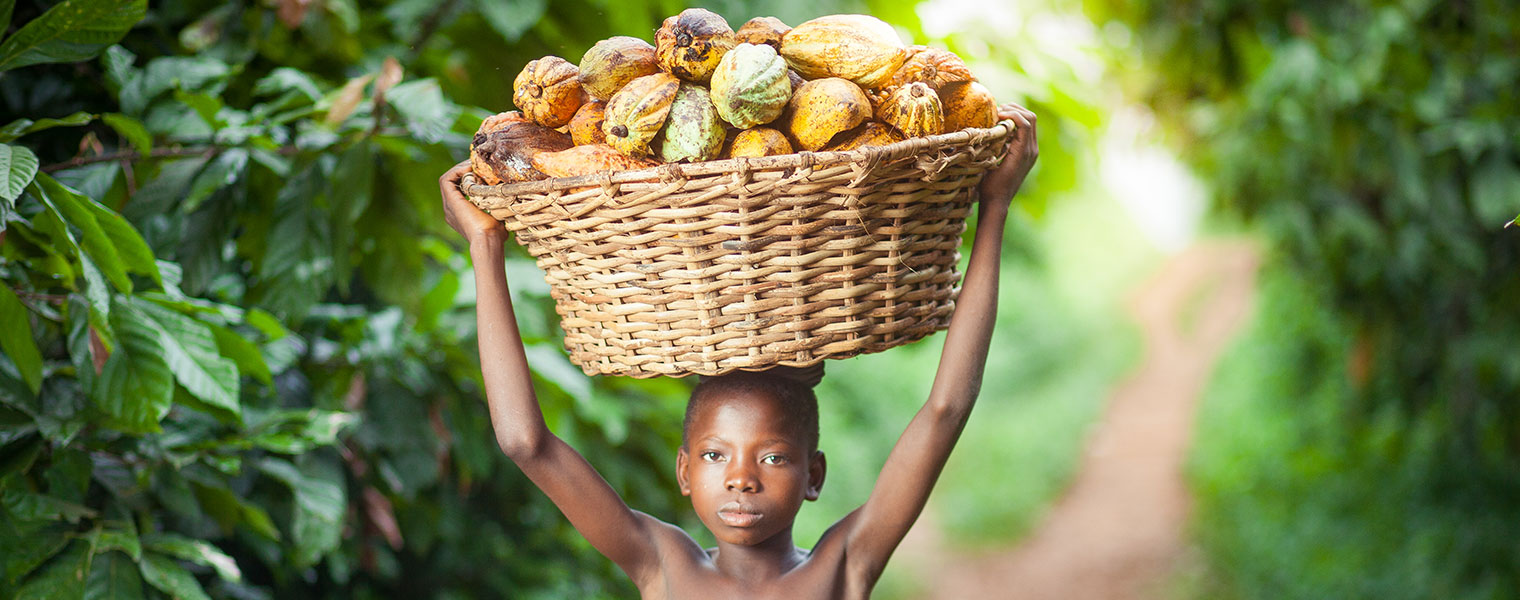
[746, 263]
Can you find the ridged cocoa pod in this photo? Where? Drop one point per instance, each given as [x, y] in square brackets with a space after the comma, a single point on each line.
[506, 154]
[750, 86]
[822, 108]
[933, 66]
[872, 133]
[586, 125]
[615, 61]
[584, 160]
[913, 109]
[689, 45]
[968, 104]
[637, 112]
[762, 30]
[548, 91]
[760, 141]
[693, 131]
[860, 48]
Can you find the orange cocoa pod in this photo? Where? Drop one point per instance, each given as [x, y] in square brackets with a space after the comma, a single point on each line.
[583, 160]
[548, 91]
[822, 108]
[860, 48]
[968, 104]
[932, 66]
[762, 30]
[872, 133]
[689, 45]
[586, 125]
[637, 112]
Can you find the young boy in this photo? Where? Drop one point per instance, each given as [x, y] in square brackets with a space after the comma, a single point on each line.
[749, 456]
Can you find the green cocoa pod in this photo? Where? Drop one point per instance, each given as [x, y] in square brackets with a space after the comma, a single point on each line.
[750, 87]
[692, 130]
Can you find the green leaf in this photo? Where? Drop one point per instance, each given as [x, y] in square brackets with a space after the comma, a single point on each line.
[221, 172]
[112, 576]
[17, 168]
[512, 19]
[192, 355]
[63, 577]
[244, 353]
[17, 342]
[20, 127]
[74, 209]
[136, 387]
[427, 113]
[168, 576]
[70, 31]
[318, 514]
[122, 538]
[196, 551]
[131, 130]
[285, 79]
[29, 544]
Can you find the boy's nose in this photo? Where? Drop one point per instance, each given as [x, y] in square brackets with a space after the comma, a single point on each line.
[741, 480]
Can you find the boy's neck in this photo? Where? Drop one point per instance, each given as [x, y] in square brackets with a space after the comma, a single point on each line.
[765, 561]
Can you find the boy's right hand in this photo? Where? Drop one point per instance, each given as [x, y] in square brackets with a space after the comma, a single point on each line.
[466, 218]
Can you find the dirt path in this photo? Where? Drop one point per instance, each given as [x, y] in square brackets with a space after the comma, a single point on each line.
[1119, 530]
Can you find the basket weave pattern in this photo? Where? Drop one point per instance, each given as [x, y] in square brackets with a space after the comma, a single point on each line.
[746, 263]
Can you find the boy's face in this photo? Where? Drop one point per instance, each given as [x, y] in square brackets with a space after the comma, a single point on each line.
[746, 469]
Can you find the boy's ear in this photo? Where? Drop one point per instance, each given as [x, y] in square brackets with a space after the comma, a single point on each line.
[681, 460]
[817, 468]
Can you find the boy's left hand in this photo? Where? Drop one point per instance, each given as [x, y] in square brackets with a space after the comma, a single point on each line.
[1000, 184]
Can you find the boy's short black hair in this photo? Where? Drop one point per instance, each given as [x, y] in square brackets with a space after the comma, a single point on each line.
[796, 397]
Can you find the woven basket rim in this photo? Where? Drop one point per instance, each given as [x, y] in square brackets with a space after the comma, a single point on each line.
[674, 171]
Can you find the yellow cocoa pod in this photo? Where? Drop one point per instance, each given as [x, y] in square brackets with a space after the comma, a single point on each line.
[933, 66]
[586, 125]
[750, 86]
[762, 30]
[689, 45]
[968, 104]
[615, 61]
[873, 133]
[760, 141]
[860, 48]
[548, 91]
[822, 108]
[637, 112]
[913, 109]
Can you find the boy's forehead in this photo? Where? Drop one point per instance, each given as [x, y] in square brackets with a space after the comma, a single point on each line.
[746, 409]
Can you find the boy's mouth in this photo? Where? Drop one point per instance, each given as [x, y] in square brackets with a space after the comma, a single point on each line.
[734, 514]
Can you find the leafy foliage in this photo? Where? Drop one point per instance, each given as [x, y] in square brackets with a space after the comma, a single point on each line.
[1374, 143]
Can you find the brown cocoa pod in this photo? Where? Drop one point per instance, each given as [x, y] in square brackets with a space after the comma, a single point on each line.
[689, 45]
[507, 153]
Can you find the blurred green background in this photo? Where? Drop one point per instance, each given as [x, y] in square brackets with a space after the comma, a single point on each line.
[238, 339]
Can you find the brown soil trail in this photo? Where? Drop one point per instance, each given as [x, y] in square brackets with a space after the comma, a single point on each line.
[1119, 532]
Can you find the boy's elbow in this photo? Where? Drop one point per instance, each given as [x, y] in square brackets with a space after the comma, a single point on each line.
[521, 446]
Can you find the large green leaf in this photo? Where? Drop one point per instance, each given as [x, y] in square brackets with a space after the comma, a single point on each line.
[191, 352]
[109, 239]
[196, 551]
[131, 130]
[17, 168]
[318, 513]
[426, 112]
[71, 31]
[113, 576]
[29, 544]
[171, 578]
[17, 340]
[62, 577]
[136, 387]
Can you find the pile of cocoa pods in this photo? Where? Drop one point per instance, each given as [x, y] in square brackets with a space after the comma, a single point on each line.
[704, 91]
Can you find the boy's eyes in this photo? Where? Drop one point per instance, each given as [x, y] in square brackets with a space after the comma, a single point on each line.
[769, 459]
[774, 459]
[711, 456]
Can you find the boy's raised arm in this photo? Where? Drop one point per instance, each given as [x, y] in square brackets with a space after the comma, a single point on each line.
[592, 506]
[873, 531]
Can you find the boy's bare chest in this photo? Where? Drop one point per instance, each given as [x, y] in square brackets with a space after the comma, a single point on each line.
[816, 580]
